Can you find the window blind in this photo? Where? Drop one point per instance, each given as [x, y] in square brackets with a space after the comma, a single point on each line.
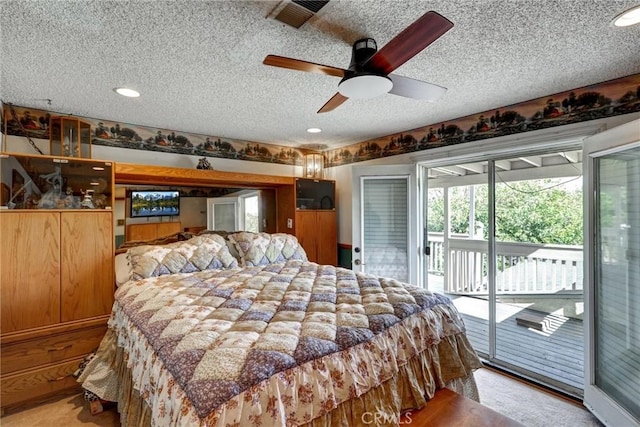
[385, 224]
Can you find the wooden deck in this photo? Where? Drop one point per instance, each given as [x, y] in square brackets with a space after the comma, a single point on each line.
[548, 346]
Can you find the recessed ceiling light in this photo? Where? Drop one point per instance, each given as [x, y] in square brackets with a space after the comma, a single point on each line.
[628, 17]
[314, 130]
[127, 92]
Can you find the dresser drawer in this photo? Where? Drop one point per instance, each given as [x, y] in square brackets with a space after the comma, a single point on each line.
[27, 354]
[38, 383]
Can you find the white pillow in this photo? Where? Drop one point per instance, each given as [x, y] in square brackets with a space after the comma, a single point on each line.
[123, 269]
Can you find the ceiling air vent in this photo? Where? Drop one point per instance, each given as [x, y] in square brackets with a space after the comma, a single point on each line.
[297, 12]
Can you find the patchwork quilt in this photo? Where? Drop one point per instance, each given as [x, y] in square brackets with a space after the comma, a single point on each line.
[286, 341]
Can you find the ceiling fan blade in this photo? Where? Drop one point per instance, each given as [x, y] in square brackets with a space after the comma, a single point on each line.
[335, 101]
[416, 89]
[409, 42]
[297, 64]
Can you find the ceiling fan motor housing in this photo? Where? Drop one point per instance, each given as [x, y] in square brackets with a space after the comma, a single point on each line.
[362, 50]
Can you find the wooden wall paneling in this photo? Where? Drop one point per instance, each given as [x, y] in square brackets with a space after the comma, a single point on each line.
[30, 279]
[87, 264]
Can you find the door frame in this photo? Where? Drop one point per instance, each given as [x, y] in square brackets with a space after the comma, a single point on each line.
[614, 140]
[414, 232]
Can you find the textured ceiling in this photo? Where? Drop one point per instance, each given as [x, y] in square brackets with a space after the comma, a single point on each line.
[198, 64]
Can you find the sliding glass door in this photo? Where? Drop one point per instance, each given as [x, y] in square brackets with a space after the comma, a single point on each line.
[505, 239]
[613, 250]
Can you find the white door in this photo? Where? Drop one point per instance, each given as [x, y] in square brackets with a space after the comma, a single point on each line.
[612, 252]
[223, 213]
[385, 232]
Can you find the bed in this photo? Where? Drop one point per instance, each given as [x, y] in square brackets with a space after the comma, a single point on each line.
[230, 329]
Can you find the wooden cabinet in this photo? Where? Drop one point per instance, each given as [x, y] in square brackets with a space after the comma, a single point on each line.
[307, 210]
[30, 279]
[87, 275]
[151, 230]
[317, 232]
[57, 281]
[57, 271]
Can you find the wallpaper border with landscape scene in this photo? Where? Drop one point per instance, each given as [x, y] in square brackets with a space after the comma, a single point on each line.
[607, 99]
[35, 124]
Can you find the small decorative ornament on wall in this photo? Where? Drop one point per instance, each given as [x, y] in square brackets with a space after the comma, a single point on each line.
[203, 163]
[313, 165]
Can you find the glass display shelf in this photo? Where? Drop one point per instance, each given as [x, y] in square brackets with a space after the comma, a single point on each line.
[49, 182]
[70, 137]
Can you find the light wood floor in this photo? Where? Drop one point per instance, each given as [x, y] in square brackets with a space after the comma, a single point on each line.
[528, 405]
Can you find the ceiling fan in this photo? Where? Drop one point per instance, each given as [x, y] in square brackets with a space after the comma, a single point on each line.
[369, 73]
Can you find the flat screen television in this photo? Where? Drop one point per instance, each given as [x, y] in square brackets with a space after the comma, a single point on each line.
[155, 203]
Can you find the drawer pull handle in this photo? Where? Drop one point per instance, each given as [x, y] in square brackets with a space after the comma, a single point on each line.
[53, 380]
[60, 348]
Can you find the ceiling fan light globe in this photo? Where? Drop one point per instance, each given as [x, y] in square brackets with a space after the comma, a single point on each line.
[365, 86]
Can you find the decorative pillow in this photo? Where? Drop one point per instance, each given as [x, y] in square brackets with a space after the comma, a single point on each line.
[225, 235]
[264, 248]
[196, 254]
[122, 269]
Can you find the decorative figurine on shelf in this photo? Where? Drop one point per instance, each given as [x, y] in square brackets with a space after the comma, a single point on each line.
[87, 201]
[66, 147]
[50, 199]
[203, 163]
[100, 201]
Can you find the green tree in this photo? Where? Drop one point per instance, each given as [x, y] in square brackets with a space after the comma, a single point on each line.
[537, 211]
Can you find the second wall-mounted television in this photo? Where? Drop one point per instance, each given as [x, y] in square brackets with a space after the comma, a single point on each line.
[155, 203]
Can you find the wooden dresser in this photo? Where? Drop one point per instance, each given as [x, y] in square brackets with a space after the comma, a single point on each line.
[56, 285]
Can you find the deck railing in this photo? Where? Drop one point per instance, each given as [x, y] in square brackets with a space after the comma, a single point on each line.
[522, 268]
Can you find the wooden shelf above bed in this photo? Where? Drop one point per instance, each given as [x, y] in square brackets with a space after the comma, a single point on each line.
[128, 173]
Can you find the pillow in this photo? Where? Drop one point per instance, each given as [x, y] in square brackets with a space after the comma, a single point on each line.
[225, 235]
[196, 254]
[122, 269]
[264, 248]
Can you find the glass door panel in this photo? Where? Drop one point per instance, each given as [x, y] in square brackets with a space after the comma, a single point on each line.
[539, 271]
[617, 278]
[223, 214]
[457, 212]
